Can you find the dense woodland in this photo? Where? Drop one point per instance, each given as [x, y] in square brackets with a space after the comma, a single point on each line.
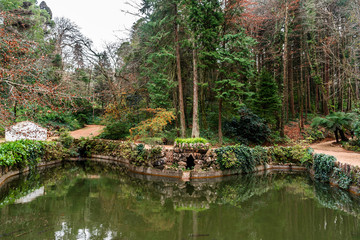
[211, 68]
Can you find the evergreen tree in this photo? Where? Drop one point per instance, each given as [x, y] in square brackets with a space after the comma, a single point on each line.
[267, 103]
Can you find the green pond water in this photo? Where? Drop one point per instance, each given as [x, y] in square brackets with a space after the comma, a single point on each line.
[89, 201]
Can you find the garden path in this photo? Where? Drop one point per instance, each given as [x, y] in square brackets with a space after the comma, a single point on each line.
[342, 155]
[88, 131]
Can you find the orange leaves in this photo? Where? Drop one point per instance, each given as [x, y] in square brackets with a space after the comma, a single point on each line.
[153, 125]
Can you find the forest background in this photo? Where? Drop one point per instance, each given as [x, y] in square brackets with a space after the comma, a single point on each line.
[227, 70]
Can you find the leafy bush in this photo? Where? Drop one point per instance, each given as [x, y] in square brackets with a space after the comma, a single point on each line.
[323, 166]
[2, 132]
[247, 127]
[21, 153]
[241, 157]
[313, 134]
[352, 145]
[65, 138]
[55, 120]
[341, 178]
[154, 125]
[295, 154]
[116, 131]
[54, 151]
[84, 146]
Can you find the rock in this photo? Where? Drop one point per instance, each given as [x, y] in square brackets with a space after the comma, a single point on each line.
[197, 167]
[208, 160]
[181, 163]
[199, 162]
[161, 167]
[159, 162]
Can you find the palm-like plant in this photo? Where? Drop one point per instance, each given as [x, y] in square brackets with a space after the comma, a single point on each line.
[338, 122]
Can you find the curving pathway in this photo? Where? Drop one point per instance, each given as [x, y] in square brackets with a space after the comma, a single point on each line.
[342, 155]
[88, 131]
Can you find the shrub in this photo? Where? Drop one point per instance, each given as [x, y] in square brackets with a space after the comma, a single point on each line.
[313, 134]
[341, 178]
[241, 157]
[116, 131]
[295, 154]
[323, 166]
[154, 125]
[21, 153]
[84, 146]
[2, 132]
[247, 127]
[65, 138]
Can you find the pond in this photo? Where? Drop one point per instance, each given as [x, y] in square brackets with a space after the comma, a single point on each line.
[92, 201]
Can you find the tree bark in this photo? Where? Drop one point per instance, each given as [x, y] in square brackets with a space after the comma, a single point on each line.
[195, 126]
[220, 122]
[285, 85]
[178, 67]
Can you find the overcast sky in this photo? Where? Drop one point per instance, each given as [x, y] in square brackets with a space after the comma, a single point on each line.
[99, 20]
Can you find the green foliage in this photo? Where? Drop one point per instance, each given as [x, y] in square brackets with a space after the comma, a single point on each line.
[152, 140]
[323, 166]
[313, 135]
[53, 120]
[84, 147]
[241, 157]
[65, 138]
[295, 154]
[2, 132]
[341, 178]
[247, 127]
[267, 102]
[21, 153]
[140, 154]
[191, 140]
[116, 130]
[337, 122]
[235, 55]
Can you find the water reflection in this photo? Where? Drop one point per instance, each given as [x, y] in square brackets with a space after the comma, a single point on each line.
[102, 202]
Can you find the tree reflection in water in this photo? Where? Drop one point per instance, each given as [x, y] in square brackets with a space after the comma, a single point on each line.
[106, 202]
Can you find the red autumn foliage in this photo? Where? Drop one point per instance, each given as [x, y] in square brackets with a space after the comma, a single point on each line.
[22, 80]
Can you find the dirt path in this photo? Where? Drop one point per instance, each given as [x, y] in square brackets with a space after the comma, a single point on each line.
[88, 131]
[342, 155]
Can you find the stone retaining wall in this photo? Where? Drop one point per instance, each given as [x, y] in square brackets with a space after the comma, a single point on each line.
[6, 174]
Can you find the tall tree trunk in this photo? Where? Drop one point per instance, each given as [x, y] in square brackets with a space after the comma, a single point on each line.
[340, 87]
[326, 92]
[302, 95]
[291, 86]
[285, 64]
[220, 122]
[178, 67]
[195, 124]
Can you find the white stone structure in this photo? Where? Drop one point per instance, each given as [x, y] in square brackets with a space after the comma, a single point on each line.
[25, 130]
